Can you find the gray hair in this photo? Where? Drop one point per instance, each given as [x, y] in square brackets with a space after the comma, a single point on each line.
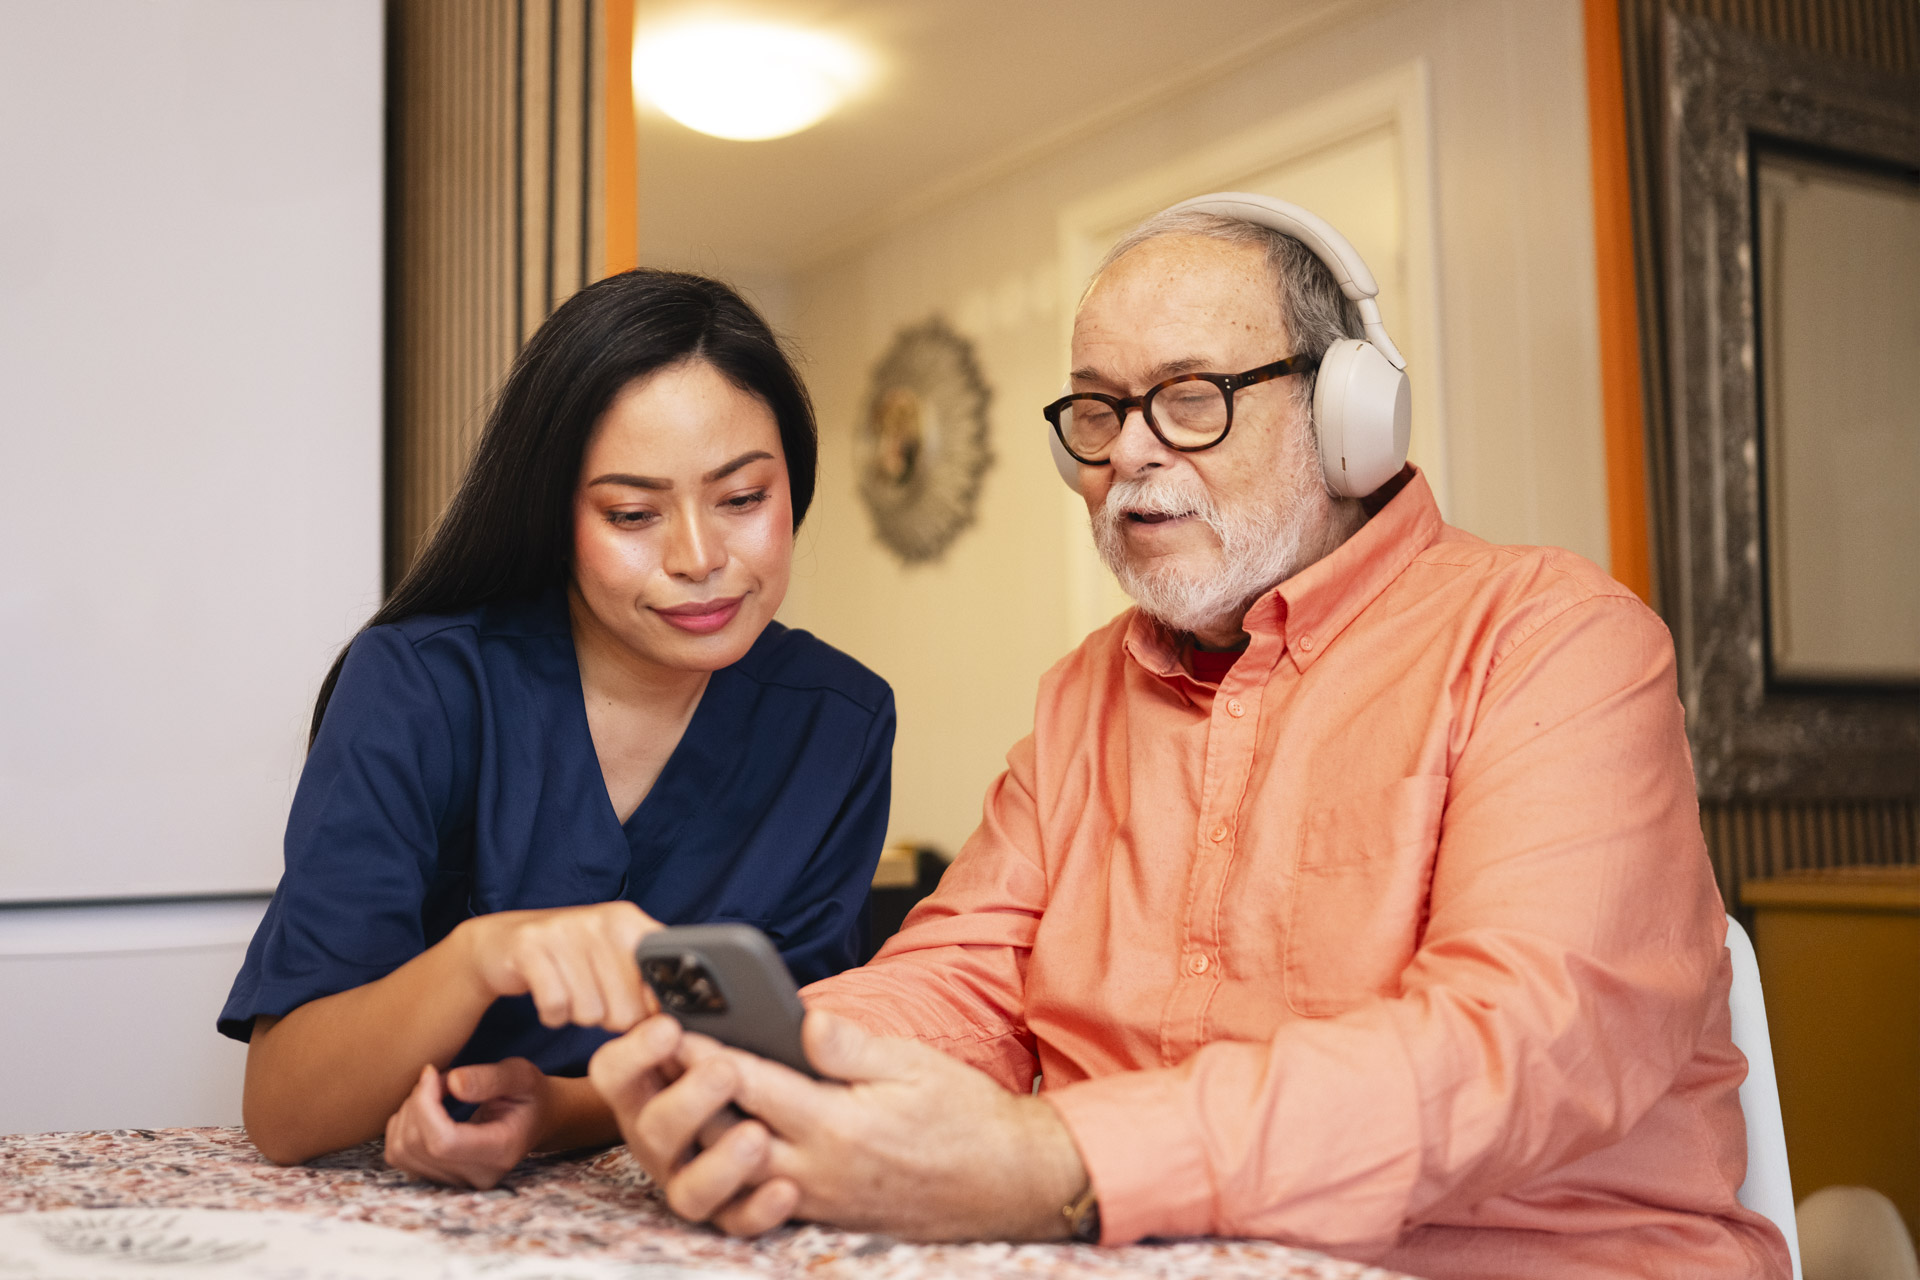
[1312, 307]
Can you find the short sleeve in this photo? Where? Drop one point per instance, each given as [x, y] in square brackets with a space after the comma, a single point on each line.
[363, 840]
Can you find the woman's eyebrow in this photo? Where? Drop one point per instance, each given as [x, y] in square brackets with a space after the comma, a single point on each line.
[720, 472]
[724, 470]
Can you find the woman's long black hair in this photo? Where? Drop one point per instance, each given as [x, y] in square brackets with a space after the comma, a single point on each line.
[508, 533]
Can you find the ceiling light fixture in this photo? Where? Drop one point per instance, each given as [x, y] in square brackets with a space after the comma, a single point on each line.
[746, 80]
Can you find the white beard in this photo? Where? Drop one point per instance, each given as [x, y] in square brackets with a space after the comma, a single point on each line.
[1259, 548]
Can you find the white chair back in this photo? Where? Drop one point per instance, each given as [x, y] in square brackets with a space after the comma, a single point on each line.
[1855, 1232]
[1768, 1190]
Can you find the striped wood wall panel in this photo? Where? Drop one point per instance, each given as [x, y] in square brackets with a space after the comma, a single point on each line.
[1750, 840]
[495, 188]
[1754, 841]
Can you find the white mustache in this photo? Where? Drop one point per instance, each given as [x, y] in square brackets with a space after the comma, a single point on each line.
[1159, 497]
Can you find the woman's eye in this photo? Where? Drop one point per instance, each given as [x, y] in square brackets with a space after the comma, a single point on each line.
[747, 501]
[630, 519]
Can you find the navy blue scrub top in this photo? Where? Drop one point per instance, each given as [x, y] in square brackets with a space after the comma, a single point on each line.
[454, 775]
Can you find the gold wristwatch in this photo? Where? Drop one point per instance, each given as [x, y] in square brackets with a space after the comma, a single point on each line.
[1083, 1217]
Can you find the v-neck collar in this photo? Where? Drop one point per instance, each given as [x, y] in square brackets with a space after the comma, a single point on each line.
[632, 829]
[665, 782]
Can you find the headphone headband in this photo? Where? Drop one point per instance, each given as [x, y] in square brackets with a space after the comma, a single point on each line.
[1326, 244]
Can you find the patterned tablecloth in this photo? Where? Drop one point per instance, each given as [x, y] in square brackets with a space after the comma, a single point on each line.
[178, 1202]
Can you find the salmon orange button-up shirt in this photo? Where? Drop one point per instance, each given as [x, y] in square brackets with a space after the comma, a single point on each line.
[1401, 943]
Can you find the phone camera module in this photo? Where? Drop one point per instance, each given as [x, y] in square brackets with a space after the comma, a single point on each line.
[683, 984]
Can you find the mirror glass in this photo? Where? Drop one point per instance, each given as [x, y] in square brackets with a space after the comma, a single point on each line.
[1839, 293]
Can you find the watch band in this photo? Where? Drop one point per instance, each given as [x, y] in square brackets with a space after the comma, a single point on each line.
[1083, 1217]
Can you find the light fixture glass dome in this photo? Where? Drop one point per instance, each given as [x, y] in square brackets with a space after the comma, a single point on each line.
[746, 80]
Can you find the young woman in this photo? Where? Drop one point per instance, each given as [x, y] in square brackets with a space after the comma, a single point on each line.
[574, 718]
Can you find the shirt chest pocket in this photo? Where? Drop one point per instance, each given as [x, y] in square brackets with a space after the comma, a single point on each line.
[1359, 894]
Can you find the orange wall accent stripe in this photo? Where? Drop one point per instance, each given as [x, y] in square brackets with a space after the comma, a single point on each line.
[1620, 382]
[622, 158]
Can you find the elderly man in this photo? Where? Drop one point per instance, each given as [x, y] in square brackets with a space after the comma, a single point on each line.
[1348, 892]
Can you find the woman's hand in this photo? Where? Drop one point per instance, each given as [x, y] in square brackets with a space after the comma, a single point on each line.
[515, 1100]
[576, 962]
[333, 1071]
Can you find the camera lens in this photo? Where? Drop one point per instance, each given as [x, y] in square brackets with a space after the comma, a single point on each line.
[683, 984]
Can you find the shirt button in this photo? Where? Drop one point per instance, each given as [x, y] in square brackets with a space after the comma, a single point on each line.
[1198, 965]
[1218, 833]
[1306, 644]
[1235, 707]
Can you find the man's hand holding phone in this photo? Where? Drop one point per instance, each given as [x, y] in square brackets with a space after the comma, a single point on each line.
[839, 1126]
[682, 1126]
[717, 985]
[913, 1143]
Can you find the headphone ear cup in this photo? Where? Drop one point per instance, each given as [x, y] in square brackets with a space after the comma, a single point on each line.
[1363, 415]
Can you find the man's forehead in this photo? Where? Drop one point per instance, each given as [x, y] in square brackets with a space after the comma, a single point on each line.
[1177, 300]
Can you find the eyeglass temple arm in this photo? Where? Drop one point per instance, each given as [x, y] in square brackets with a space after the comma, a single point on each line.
[1295, 364]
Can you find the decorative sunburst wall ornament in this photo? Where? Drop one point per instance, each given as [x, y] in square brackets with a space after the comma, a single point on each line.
[921, 448]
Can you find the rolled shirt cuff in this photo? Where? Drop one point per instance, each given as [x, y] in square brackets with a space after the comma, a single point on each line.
[1191, 1150]
[1142, 1152]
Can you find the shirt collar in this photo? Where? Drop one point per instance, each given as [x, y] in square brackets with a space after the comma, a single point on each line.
[1156, 648]
[1315, 606]
[1309, 611]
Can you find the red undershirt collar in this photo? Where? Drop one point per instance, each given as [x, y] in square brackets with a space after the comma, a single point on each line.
[1210, 666]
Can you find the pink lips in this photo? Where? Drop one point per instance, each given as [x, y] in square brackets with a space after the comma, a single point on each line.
[703, 617]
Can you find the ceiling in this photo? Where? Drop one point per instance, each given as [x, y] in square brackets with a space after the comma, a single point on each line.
[966, 89]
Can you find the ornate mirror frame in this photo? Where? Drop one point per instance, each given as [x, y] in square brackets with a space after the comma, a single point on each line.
[1727, 92]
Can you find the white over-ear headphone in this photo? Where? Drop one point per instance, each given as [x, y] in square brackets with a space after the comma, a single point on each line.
[1362, 405]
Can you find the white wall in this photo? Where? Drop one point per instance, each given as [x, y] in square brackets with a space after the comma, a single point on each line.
[965, 640]
[190, 351]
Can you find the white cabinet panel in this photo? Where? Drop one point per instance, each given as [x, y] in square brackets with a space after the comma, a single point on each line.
[109, 1014]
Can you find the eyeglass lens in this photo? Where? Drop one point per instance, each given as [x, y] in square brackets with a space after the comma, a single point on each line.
[1188, 414]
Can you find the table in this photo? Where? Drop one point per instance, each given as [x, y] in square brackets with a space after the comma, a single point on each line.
[595, 1216]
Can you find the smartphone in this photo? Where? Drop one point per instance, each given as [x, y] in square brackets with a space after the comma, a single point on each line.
[727, 981]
